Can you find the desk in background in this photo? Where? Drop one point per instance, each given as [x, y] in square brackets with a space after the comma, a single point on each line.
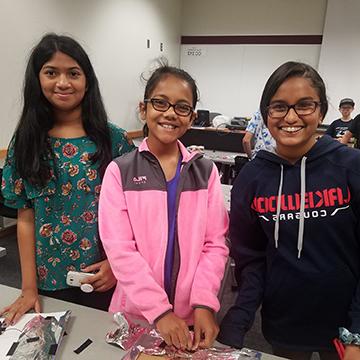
[221, 146]
[225, 160]
[227, 165]
[223, 157]
[84, 323]
[219, 139]
[322, 129]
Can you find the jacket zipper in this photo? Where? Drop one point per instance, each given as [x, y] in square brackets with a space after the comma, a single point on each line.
[184, 166]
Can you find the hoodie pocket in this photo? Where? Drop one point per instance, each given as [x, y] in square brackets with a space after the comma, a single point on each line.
[314, 297]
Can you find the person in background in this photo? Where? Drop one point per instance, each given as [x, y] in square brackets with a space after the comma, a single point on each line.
[163, 220]
[258, 134]
[338, 127]
[295, 228]
[353, 132]
[52, 175]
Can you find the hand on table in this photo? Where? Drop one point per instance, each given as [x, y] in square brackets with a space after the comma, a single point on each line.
[103, 279]
[29, 299]
[174, 331]
[205, 328]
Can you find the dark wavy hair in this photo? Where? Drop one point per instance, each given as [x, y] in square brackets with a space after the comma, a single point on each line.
[31, 146]
[162, 72]
[289, 70]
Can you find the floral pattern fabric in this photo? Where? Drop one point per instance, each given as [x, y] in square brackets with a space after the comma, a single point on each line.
[262, 137]
[66, 209]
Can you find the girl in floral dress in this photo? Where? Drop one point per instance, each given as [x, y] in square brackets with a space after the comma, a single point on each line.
[53, 174]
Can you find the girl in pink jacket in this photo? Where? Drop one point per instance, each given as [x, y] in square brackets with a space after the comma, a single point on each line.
[163, 221]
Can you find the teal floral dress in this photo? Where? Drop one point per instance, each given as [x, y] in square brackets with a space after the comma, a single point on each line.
[66, 220]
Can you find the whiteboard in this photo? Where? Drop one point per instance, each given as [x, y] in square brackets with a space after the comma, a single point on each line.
[231, 78]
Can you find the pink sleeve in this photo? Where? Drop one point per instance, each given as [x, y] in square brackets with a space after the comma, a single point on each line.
[210, 269]
[129, 267]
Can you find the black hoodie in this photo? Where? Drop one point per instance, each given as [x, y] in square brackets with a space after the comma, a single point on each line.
[307, 279]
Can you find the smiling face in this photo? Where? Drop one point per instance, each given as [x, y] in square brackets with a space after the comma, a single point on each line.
[346, 111]
[166, 127]
[294, 134]
[63, 83]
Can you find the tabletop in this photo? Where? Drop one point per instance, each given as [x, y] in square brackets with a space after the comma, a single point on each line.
[84, 323]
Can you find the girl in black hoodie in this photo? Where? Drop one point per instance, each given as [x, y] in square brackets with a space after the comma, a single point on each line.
[294, 227]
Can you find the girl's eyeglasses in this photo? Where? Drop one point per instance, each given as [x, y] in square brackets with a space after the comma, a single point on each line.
[164, 105]
[302, 108]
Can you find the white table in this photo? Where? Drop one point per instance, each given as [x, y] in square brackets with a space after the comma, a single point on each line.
[84, 323]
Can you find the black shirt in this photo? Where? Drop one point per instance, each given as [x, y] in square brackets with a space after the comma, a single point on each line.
[338, 128]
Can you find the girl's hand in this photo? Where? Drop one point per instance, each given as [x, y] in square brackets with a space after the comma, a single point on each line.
[103, 279]
[352, 352]
[205, 328]
[29, 299]
[174, 331]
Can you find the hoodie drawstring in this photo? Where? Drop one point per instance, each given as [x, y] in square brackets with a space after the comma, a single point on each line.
[278, 207]
[302, 206]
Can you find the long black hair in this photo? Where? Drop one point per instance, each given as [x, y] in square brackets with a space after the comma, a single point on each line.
[31, 147]
[289, 70]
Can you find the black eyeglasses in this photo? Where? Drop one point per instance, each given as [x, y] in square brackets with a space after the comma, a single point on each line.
[302, 108]
[164, 105]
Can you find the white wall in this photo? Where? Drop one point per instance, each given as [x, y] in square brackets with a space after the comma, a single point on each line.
[231, 77]
[113, 32]
[240, 17]
[340, 54]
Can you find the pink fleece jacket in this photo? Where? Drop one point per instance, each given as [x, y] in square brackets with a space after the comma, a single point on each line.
[134, 230]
